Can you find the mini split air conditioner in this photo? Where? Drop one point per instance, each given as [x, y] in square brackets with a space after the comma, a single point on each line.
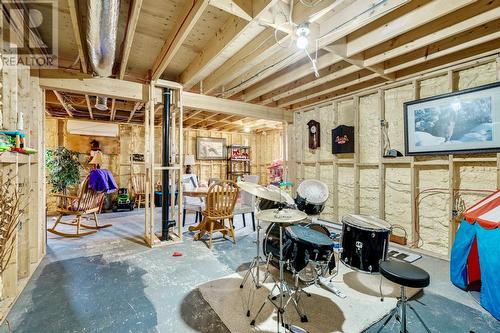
[91, 128]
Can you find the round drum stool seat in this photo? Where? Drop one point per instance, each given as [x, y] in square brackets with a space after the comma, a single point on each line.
[404, 274]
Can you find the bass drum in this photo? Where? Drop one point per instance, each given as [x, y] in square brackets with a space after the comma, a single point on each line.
[271, 243]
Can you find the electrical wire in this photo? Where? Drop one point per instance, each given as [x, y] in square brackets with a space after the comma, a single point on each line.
[325, 34]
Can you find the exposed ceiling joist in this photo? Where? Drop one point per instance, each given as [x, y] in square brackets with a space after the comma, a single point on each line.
[434, 37]
[82, 54]
[112, 113]
[258, 50]
[224, 39]
[349, 19]
[89, 106]
[404, 23]
[129, 35]
[187, 20]
[137, 106]
[335, 85]
[239, 8]
[65, 105]
[328, 74]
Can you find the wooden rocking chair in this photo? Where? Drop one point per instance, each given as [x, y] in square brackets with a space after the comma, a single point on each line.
[86, 202]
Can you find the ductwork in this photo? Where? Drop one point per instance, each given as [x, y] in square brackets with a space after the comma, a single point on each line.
[101, 34]
[101, 38]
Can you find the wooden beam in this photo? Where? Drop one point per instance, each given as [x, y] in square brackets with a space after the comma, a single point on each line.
[258, 50]
[89, 106]
[80, 44]
[340, 48]
[332, 86]
[452, 45]
[187, 20]
[240, 8]
[63, 103]
[227, 37]
[362, 83]
[281, 79]
[201, 120]
[136, 107]
[433, 37]
[349, 20]
[77, 32]
[112, 114]
[328, 74]
[129, 35]
[193, 115]
[226, 106]
[61, 80]
[426, 13]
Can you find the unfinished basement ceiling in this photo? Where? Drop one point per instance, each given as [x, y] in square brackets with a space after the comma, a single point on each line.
[74, 106]
[362, 44]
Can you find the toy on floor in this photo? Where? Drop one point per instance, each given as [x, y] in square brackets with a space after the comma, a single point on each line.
[123, 201]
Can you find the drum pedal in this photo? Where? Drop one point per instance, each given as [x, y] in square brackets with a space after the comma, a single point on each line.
[329, 285]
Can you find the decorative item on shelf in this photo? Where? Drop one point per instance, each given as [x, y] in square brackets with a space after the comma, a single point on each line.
[238, 161]
[466, 121]
[189, 161]
[276, 172]
[314, 134]
[17, 143]
[343, 139]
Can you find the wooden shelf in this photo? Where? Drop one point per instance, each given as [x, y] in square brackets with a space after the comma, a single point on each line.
[11, 157]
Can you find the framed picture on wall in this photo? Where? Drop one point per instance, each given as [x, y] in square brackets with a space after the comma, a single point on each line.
[466, 121]
[210, 148]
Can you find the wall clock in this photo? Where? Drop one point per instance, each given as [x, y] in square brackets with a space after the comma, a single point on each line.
[314, 134]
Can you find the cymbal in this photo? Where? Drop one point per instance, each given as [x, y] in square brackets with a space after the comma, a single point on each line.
[281, 216]
[262, 191]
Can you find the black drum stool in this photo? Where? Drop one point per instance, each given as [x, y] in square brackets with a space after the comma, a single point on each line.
[406, 275]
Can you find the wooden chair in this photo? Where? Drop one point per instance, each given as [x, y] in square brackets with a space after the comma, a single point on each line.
[191, 204]
[221, 199]
[86, 202]
[139, 188]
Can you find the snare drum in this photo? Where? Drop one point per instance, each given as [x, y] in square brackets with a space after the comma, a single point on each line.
[365, 240]
[312, 196]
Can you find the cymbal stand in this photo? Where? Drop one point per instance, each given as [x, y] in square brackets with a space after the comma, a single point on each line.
[285, 294]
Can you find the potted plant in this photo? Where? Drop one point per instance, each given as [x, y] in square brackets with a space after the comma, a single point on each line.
[63, 169]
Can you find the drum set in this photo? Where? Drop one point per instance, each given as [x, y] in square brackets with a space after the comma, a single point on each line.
[305, 249]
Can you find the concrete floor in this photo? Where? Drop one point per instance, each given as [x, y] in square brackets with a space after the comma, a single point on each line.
[111, 282]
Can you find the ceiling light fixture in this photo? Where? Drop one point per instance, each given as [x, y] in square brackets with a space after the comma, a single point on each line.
[302, 33]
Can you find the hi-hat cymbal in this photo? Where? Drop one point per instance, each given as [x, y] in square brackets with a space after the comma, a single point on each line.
[262, 192]
[281, 215]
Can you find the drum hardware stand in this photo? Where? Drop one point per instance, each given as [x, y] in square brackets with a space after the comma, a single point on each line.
[327, 282]
[278, 301]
